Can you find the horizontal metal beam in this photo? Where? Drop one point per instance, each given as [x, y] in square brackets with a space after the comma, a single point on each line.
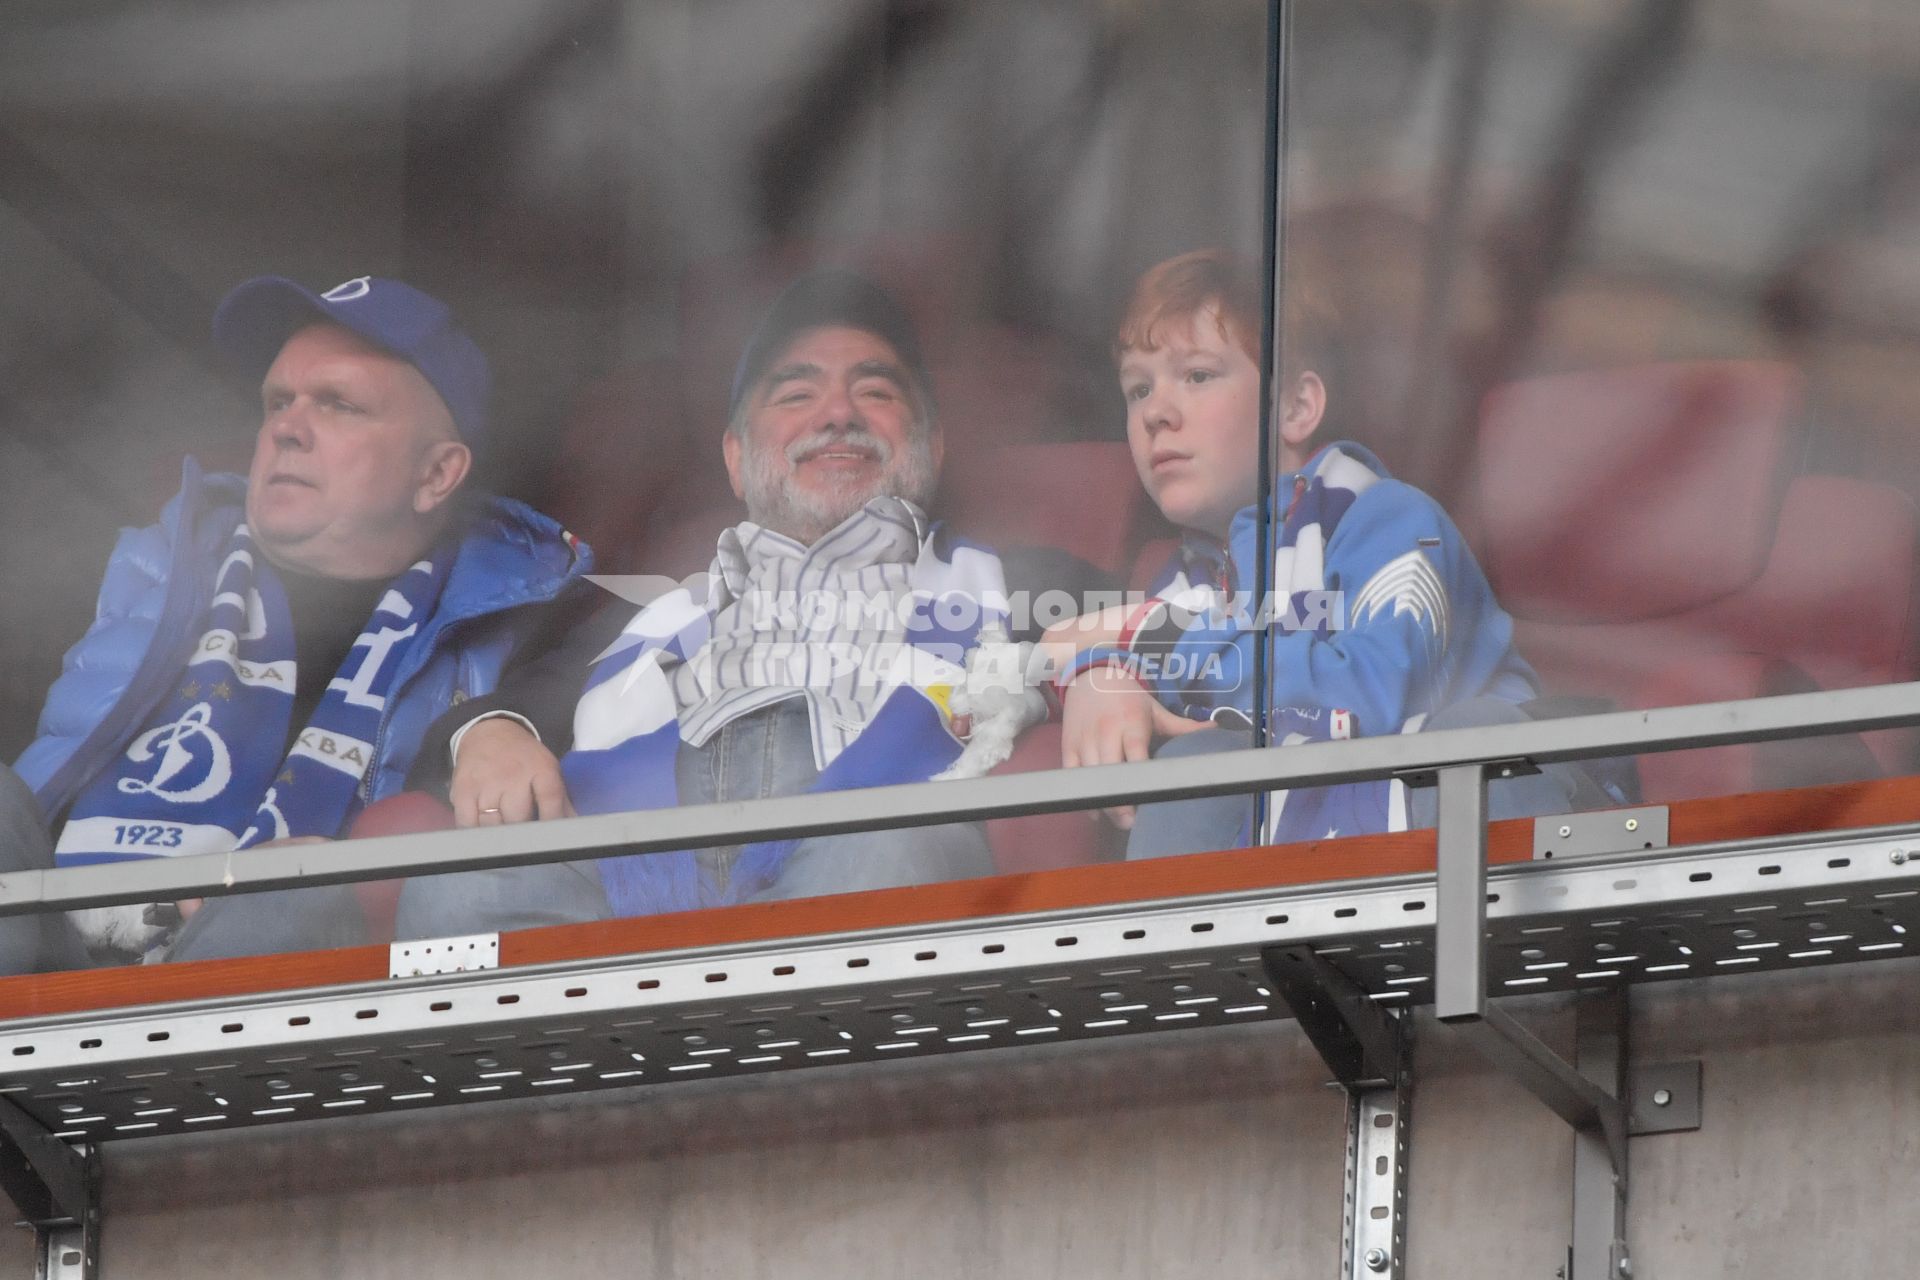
[932, 803]
[914, 990]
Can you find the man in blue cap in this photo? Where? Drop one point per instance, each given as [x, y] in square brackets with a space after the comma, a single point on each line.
[266, 658]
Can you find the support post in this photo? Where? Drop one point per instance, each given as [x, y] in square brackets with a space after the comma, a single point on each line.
[1599, 1249]
[67, 1253]
[1460, 931]
[57, 1191]
[1369, 1051]
[1588, 1093]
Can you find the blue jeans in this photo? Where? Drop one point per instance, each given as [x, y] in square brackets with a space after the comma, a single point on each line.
[769, 753]
[264, 924]
[325, 916]
[1194, 826]
[1226, 822]
[760, 755]
[494, 901]
[44, 942]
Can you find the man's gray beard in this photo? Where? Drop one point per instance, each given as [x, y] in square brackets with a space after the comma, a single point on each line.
[807, 517]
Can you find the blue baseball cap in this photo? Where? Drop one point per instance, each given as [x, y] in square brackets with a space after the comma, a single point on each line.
[254, 321]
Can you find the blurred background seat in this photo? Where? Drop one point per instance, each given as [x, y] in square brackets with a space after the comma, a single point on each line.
[1651, 532]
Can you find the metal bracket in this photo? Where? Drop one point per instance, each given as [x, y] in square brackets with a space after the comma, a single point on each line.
[467, 953]
[57, 1190]
[1599, 1247]
[1362, 1043]
[1577, 835]
[1369, 1051]
[1517, 767]
[1587, 1093]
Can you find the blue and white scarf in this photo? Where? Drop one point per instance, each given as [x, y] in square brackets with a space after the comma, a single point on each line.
[627, 729]
[207, 774]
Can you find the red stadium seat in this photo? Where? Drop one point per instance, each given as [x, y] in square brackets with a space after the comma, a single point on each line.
[406, 814]
[1647, 530]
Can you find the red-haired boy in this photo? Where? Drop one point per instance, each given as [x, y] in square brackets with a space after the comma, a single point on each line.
[1380, 619]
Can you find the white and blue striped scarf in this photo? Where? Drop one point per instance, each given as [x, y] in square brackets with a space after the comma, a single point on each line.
[804, 617]
[1309, 508]
[211, 771]
[628, 725]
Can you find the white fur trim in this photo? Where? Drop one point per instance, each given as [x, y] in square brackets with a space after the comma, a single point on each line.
[123, 928]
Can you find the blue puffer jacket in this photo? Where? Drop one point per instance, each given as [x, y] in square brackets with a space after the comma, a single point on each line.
[153, 603]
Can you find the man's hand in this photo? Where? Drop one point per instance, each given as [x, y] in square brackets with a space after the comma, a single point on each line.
[1111, 718]
[505, 774]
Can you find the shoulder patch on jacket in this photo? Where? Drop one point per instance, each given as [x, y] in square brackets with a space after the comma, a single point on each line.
[1407, 584]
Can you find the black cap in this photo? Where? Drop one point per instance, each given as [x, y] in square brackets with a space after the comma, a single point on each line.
[828, 297]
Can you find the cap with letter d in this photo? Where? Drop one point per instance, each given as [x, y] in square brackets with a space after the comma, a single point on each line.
[254, 321]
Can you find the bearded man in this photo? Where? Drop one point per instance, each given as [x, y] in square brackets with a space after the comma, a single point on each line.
[828, 647]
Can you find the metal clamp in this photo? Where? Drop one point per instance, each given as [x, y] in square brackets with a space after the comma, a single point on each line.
[430, 957]
[1369, 1051]
[1580, 835]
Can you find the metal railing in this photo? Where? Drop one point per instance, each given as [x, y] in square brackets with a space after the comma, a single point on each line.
[1416, 758]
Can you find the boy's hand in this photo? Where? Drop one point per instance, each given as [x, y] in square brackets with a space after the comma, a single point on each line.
[505, 774]
[1111, 718]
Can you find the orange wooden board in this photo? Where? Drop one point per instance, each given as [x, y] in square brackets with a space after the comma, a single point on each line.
[1809, 810]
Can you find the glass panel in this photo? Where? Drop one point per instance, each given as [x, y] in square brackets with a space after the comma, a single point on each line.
[1632, 292]
[611, 197]
[1623, 295]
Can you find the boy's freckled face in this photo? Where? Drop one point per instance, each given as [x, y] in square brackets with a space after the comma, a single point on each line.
[1193, 423]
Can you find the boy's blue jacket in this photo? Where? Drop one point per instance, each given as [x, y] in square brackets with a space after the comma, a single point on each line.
[1383, 616]
[153, 603]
